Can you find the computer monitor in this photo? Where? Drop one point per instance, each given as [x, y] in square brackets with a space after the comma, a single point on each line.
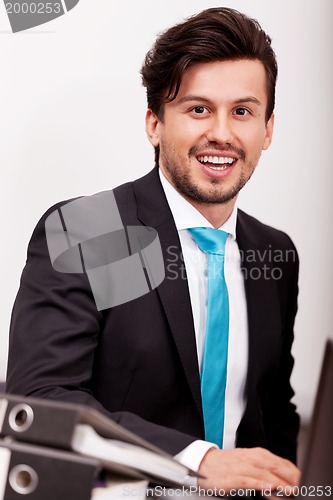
[317, 469]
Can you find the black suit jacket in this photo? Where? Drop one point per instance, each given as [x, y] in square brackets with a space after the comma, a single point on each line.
[137, 362]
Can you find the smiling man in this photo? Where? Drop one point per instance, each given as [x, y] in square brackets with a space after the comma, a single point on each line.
[212, 134]
[201, 365]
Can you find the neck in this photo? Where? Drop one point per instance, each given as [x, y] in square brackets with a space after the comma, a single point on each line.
[216, 213]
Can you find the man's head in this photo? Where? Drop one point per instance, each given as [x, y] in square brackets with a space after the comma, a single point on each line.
[216, 34]
[211, 91]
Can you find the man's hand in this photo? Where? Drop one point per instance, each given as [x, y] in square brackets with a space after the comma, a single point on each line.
[246, 468]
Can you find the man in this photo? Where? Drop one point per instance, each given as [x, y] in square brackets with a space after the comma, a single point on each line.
[210, 88]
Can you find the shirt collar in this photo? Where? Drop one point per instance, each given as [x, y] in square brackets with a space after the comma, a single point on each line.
[186, 216]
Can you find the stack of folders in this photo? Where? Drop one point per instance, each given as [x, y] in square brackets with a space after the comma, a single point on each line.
[57, 451]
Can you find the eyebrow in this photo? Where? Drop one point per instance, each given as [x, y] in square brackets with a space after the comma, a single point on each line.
[250, 99]
[242, 100]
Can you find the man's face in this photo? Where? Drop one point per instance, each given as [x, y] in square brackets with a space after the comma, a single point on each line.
[212, 134]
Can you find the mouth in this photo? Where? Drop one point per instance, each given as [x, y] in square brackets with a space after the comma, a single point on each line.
[217, 163]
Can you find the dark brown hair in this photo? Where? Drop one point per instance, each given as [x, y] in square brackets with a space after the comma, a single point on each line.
[216, 34]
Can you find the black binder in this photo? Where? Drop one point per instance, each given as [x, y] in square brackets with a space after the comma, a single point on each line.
[79, 428]
[40, 473]
[52, 423]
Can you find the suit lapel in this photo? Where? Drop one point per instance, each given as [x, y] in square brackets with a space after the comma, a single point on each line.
[264, 317]
[154, 211]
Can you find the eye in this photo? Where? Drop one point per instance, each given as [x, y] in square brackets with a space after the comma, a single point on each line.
[241, 112]
[199, 110]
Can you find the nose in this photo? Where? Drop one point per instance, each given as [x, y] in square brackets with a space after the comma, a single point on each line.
[220, 129]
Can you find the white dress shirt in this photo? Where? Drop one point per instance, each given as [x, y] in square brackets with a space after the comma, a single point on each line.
[185, 217]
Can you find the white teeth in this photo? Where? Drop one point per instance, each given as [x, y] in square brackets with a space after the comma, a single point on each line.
[217, 160]
[220, 168]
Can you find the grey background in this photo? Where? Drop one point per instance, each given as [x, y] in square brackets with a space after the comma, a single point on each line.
[72, 123]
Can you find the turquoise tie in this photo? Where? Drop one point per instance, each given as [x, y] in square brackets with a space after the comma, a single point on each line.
[215, 355]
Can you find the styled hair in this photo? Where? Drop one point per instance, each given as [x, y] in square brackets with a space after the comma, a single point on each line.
[216, 34]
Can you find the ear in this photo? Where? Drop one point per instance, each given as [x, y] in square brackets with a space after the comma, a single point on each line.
[269, 132]
[153, 128]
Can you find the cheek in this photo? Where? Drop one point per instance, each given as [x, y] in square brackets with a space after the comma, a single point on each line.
[188, 131]
[254, 140]
[180, 142]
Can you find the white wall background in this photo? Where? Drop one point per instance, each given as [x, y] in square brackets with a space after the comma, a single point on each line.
[72, 123]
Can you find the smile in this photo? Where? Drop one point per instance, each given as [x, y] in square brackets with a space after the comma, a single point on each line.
[221, 162]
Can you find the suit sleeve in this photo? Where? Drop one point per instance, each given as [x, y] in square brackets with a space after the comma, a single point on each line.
[54, 332]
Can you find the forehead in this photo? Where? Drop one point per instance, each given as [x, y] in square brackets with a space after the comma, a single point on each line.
[225, 80]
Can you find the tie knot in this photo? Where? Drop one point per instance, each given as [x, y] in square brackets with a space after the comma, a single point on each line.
[210, 240]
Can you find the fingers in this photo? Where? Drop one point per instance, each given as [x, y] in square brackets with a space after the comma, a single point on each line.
[276, 467]
[253, 468]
